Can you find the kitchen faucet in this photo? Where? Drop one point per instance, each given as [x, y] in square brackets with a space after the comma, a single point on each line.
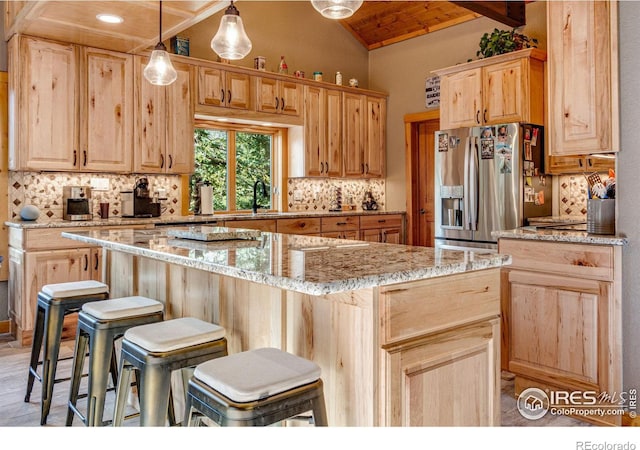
[264, 192]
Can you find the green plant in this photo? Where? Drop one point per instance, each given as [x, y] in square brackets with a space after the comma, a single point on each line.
[504, 41]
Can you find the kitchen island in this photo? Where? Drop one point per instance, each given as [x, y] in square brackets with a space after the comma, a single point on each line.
[403, 335]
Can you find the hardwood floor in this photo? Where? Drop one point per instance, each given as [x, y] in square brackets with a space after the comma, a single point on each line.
[14, 412]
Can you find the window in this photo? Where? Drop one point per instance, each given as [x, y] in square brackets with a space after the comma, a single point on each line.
[231, 161]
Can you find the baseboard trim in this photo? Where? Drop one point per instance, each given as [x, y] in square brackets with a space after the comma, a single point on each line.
[5, 326]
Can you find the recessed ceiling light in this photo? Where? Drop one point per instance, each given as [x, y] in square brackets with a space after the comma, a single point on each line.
[109, 18]
[222, 119]
[267, 124]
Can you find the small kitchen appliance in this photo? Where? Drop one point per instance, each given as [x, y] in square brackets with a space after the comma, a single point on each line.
[76, 203]
[203, 199]
[137, 203]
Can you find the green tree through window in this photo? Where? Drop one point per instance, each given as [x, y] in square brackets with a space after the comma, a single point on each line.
[218, 152]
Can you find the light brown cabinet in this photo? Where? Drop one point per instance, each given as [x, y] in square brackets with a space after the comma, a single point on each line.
[72, 108]
[562, 318]
[164, 122]
[579, 164]
[341, 227]
[364, 136]
[255, 224]
[491, 91]
[308, 225]
[277, 96]
[322, 132]
[223, 88]
[582, 41]
[382, 228]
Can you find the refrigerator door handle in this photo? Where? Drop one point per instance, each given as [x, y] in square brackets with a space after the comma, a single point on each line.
[466, 205]
[474, 184]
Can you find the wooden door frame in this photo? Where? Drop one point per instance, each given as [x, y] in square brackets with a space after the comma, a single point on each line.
[411, 122]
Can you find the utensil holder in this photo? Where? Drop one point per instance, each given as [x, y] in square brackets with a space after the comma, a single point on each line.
[601, 216]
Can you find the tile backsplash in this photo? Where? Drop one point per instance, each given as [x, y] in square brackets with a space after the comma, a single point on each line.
[44, 190]
[317, 194]
[573, 192]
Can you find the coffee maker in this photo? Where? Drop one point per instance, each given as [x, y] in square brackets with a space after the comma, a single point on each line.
[137, 203]
[76, 203]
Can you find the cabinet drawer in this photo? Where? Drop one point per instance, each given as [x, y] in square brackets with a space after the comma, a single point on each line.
[262, 225]
[340, 223]
[594, 262]
[381, 221]
[51, 238]
[411, 310]
[299, 226]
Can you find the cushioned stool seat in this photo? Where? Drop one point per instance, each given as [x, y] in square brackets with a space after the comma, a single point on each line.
[257, 387]
[100, 324]
[155, 351]
[55, 301]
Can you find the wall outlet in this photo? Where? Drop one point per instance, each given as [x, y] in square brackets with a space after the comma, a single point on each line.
[297, 196]
[100, 184]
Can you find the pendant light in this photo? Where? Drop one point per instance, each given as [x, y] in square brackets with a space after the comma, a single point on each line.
[231, 41]
[336, 9]
[160, 71]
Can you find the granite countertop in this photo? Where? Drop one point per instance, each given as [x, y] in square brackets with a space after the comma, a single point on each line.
[571, 236]
[307, 264]
[169, 220]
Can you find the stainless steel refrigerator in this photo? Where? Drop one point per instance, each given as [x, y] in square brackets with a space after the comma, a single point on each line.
[488, 179]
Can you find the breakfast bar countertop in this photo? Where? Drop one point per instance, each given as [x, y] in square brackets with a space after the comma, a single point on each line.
[569, 235]
[306, 264]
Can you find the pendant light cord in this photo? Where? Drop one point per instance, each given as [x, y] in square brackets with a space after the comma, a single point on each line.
[160, 22]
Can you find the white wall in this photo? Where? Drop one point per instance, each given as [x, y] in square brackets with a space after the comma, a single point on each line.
[629, 187]
[401, 69]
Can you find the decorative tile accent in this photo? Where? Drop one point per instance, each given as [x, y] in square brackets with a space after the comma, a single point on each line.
[44, 190]
[573, 195]
[318, 194]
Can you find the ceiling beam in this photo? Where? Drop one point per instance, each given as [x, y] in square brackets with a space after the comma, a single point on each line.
[511, 13]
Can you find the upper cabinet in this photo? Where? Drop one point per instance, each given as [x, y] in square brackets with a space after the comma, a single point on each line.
[164, 122]
[504, 88]
[278, 96]
[364, 136]
[72, 108]
[223, 88]
[582, 77]
[322, 132]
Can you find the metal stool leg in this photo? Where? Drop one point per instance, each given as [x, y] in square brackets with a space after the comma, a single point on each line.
[53, 333]
[78, 364]
[121, 391]
[155, 389]
[99, 363]
[320, 410]
[36, 346]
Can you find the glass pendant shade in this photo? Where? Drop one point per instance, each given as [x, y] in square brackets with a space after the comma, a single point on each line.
[336, 9]
[159, 70]
[231, 41]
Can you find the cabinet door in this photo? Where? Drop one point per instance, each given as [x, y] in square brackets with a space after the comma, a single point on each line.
[353, 142]
[47, 267]
[427, 386]
[180, 120]
[96, 264]
[211, 87]
[566, 164]
[314, 131]
[374, 235]
[505, 92]
[392, 235]
[268, 99]
[582, 77]
[47, 106]
[150, 122]
[238, 90]
[333, 123]
[558, 328]
[107, 111]
[375, 147]
[290, 98]
[462, 93]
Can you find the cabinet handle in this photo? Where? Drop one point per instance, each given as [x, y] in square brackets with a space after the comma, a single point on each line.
[229, 96]
[484, 115]
[222, 96]
[170, 161]
[478, 116]
[589, 162]
[75, 157]
[367, 168]
[321, 167]
[282, 104]
[580, 162]
[341, 223]
[362, 168]
[86, 262]
[326, 166]
[84, 157]
[161, 161]
[382, 221]
[277, 103]
[97, 261]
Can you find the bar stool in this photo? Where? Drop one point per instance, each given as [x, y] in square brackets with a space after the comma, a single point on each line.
[154, 351]
[255, 388]
[100, 324]
[55, 301]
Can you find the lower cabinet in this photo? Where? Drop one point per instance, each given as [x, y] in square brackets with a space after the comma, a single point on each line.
[259, 224]
[382, 228]
[562, 318]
